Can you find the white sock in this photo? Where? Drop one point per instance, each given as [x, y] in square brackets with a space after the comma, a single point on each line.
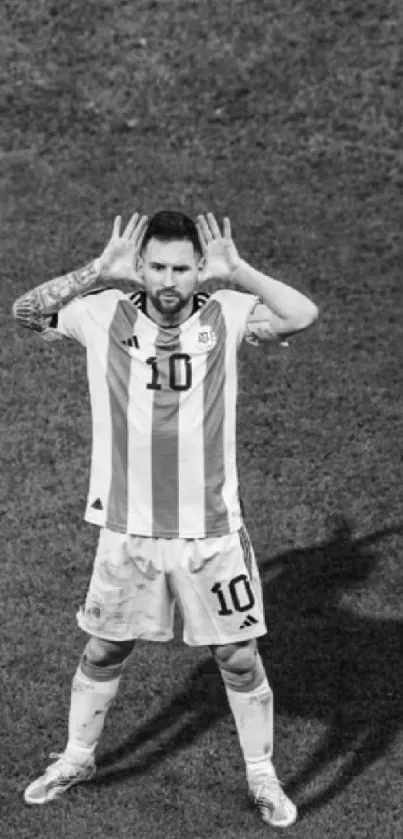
[90, 701]
[253, 715]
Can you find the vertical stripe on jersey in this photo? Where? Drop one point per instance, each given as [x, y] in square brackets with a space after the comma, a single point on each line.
[215, 508]
[118, 378]
[191, 439]
[165, 437]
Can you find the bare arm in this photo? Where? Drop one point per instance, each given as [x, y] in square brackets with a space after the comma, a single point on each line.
[286, 308]
[117, 261]
[291, 310]
[34, 308]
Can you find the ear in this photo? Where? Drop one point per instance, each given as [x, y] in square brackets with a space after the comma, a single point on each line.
[201, 265]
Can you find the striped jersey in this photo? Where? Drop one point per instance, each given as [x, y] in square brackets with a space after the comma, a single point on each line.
[163, 405]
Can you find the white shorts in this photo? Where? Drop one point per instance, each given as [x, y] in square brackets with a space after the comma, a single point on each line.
[137, 580]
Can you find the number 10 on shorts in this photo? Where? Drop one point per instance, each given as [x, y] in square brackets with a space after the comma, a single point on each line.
[237, 593]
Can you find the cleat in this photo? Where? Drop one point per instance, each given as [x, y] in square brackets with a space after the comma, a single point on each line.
[272, 803]
[57, 778]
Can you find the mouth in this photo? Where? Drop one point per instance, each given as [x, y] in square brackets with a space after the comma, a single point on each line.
[169, 295]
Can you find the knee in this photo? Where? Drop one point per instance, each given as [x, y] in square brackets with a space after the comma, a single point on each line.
[240, 664]
[107, 653]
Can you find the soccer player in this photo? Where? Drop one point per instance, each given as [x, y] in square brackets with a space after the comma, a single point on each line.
[162, 372]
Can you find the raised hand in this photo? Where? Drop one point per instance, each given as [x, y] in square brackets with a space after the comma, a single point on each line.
[221, 257]
[118, 260]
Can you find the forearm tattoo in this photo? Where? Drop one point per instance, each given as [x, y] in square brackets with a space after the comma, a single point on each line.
[34, 308]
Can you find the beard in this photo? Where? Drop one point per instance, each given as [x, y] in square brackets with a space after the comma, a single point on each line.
[171, 305]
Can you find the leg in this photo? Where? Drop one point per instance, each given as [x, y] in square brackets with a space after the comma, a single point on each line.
[251, 701]
[94, 688]
[218, 588]
[126, 600]
[95, 685]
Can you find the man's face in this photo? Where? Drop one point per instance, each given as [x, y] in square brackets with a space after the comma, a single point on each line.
[170, 271]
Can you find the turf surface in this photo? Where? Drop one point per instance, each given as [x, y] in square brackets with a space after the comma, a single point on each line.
[287, 117]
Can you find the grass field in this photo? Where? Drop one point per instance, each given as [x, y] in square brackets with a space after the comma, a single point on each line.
[287, 117]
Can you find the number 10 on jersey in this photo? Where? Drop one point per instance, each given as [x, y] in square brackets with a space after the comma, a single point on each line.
[180, 372]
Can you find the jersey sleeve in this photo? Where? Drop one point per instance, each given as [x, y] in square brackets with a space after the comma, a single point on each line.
[76, 318]
[70, 321]
[237, 306]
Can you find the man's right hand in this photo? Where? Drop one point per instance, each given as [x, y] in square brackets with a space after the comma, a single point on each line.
[118, 260]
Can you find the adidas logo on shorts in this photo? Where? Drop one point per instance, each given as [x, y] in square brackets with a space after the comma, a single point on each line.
[249, 621]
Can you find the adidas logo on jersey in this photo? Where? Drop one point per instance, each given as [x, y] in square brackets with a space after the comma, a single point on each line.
[249, 621]
[97, 505]
[132, 342]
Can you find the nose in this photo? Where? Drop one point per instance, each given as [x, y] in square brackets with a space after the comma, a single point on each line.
[167, 278]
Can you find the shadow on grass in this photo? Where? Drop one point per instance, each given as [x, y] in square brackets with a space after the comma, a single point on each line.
[324, 662]
[330, 664]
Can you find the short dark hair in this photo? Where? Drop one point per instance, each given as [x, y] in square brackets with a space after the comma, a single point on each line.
[168, 225]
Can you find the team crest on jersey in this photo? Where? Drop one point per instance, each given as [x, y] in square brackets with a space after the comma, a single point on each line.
[206, 338]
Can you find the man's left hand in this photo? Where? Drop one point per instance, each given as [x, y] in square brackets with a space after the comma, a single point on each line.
[220, 256]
